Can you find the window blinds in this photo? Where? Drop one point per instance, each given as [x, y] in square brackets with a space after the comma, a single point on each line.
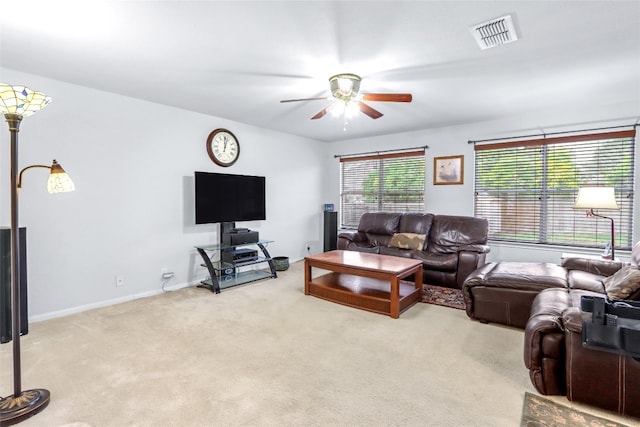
[392, 182]
[527, 189]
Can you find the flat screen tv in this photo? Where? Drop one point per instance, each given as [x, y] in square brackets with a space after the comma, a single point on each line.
[228, 198]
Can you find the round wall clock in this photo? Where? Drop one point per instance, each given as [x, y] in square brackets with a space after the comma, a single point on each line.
[223, 147]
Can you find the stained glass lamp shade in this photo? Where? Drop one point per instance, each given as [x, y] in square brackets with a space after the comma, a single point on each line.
[21, 100]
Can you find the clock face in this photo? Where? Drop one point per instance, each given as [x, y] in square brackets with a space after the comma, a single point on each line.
[223, 147]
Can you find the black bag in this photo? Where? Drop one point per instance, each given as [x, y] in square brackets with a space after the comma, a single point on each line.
[614, 325]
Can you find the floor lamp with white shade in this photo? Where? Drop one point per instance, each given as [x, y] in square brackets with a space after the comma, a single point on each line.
[17, 102]
[594, 197]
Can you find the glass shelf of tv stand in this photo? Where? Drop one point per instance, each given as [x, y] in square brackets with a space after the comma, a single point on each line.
[218, 281]
[221, 247]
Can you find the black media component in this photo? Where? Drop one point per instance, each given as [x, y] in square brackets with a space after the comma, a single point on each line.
[240, 238]
[227, 273]
[330, 231]
[614, 326]
[228, 198]
[5, 284]
[235, 256]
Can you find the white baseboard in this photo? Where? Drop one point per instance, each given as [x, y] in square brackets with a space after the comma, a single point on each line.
[106, 303]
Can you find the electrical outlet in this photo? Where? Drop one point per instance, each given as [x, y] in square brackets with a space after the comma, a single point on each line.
[166, 274]
[312, 247]
[119, 281]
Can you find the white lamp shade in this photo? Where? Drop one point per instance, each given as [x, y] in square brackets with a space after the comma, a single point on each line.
[59, 181]
[596, 198]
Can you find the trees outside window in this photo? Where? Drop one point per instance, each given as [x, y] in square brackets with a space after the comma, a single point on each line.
[527, 189]
[381, 183]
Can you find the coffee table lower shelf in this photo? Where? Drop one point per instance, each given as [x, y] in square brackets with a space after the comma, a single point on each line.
[363, 292]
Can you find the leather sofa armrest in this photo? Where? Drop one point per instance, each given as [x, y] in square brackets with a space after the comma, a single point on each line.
[537, 328]
[482, 249]
[352, 239]
[603, 267]
[468, 262]
[572, 320]
[544, 341]
[353, 236]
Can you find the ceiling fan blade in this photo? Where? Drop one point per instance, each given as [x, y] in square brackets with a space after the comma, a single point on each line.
[304, 99]
[374, 114]
[323, 112]
[387, 97]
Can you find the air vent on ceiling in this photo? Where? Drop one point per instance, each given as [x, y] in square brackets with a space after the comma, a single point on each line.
[495, 32]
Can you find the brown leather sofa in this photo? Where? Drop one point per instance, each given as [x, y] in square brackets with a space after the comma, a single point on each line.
[553, 351]
[452, 246]
[503, 292]
[544, 299]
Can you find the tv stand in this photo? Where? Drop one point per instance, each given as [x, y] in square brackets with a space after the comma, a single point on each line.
[223, 275]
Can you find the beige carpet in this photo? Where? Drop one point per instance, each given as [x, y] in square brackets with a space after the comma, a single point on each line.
[267, 355]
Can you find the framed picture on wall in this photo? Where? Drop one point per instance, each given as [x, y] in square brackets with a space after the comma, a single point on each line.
[448, 170]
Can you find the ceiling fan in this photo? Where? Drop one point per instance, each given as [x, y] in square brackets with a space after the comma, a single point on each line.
[344, 88]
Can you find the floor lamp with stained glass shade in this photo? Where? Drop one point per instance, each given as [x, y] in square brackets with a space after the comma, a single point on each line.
[17, 102]
[594, 197]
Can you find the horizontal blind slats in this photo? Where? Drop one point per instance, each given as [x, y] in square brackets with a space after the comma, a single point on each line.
[527, 193]
[389, 183]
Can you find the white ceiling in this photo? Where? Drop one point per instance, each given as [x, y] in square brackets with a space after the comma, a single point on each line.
[237, 60]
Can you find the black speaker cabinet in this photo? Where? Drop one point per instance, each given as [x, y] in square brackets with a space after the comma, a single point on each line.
[330, 231]
[5, 283]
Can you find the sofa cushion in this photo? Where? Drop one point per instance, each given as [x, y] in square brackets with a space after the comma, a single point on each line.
[379, 239]
[359, 247]
[415, 222]
[603, 267]
[523, 276]
[584, 280]
[379, 223]
[388, 250]
[408, 241]
[449, 233]
[623, 283]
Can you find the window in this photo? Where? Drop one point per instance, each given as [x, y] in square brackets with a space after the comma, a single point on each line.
[384, 182]
[527, 189]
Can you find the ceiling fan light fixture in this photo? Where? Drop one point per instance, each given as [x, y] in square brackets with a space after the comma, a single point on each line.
[344, 86]
[344, 90]
[495, 32]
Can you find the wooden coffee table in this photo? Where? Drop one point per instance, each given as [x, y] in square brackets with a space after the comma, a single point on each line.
[368, 281]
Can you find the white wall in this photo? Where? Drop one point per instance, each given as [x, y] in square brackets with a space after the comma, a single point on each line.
[132, 212]
[133, 163]
[453, 140]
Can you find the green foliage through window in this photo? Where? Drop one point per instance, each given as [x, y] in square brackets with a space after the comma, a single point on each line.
[527, 192]
[392, 184]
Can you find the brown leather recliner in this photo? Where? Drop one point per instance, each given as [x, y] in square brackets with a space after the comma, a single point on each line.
[553, 351]
[454, 246]
[503, 292]
[559, 364]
